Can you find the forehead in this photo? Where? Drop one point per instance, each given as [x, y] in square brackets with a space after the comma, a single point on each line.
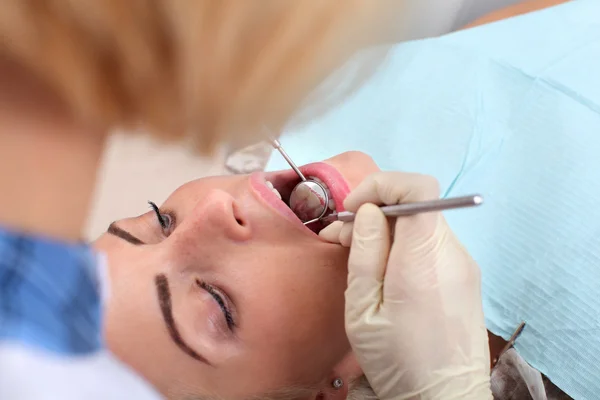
[195, 189]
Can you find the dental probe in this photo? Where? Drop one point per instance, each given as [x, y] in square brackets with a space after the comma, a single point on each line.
[510, 343]
[302, 190]
[287, 158]
[405, 209]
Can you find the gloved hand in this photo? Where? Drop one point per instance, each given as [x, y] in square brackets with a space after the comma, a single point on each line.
[413, 307]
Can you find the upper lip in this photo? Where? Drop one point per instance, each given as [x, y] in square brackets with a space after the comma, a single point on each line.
[334, 180]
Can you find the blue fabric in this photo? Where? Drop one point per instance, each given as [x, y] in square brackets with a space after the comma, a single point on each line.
[510, 110]
[48, 295]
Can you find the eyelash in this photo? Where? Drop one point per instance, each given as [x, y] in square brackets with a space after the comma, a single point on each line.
[220, 301]
[165, 220]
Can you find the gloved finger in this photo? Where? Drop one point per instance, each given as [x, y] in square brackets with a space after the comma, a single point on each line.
[392, 188]
[332, 232]
[366, 263]
[417, 238]
[338, 232]
[346, 234]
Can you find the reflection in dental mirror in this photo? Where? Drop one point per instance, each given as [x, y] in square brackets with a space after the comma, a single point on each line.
[309, 200]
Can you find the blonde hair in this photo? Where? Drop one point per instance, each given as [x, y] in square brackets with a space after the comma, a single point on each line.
[204, 69]
[358, 389]
[361, 390]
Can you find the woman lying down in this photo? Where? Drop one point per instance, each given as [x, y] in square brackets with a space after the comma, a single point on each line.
[222, 293]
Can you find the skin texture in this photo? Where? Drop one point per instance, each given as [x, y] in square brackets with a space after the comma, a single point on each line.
[284, 287]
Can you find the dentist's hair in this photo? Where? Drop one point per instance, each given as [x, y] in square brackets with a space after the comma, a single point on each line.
[208, 70]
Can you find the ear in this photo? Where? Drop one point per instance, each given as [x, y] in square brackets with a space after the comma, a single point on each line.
[348, 371]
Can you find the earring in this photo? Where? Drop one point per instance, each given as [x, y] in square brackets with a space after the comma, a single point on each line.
[337, 383]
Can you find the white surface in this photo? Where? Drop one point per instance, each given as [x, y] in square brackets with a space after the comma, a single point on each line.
[27, 374]
[136, 169]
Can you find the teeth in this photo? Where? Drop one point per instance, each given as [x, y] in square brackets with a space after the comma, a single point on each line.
[331, 204]
[270, 186]
[313, 202]
[302, 192]
[314, 178]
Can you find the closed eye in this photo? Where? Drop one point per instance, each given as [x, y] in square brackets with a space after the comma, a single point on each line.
[219, 298]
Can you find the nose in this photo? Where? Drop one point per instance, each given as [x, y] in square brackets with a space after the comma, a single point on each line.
[218, 215]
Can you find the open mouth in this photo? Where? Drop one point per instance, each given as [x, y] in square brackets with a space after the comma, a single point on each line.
[276, 188]
[311, 206]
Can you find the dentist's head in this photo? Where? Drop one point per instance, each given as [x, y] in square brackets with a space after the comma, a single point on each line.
[208, 70]
[221, 292]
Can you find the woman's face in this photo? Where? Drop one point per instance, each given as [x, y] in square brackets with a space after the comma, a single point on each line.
[231, 296]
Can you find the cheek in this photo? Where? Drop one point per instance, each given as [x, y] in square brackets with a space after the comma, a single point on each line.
[320, 281]
[311, 316]
[303, 293]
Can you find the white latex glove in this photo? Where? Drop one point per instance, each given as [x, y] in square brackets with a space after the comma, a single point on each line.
[413, 307]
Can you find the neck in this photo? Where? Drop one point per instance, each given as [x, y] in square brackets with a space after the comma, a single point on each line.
[47, 162]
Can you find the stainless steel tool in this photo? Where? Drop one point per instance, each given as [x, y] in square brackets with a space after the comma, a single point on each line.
[306, 186]
[399, 210]
[405, 209]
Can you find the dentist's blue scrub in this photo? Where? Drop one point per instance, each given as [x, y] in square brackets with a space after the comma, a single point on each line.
[51, 328]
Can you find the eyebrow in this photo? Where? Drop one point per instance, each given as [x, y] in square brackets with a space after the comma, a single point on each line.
[113, 229]
[164, 300]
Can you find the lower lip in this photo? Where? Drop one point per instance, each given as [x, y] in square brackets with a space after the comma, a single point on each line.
[329, 175]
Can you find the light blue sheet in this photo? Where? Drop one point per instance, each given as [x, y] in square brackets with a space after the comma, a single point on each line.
[510, 110]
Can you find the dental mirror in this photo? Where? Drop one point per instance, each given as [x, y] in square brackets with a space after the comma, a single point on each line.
[309, 199]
